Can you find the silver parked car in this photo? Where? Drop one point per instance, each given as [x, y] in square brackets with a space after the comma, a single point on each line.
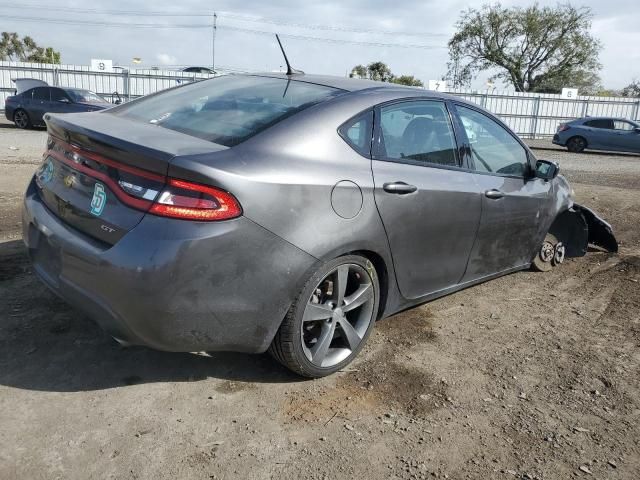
[288, 213]
[599, 133]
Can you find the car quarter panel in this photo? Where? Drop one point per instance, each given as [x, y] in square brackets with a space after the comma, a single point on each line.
[289, 178]
[185, 292]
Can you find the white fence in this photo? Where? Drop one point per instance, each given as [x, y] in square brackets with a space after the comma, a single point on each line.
[533, 115]
[127, 83]
[528, 114]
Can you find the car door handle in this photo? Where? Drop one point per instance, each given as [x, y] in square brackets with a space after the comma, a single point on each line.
[494, 194]
[399, 188]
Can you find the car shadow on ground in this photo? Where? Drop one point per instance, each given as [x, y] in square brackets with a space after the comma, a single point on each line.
[12, 126]
[46, 345]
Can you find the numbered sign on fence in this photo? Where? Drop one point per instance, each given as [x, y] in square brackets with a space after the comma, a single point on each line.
[438, 85]
[569, 93]
[101, 65]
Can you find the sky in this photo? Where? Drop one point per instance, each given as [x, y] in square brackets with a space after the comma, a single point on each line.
[427, 23]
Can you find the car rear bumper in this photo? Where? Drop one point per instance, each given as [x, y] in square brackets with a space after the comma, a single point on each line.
[8, 112]
[170, 284]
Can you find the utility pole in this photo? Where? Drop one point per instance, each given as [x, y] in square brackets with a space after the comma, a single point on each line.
[213, 42]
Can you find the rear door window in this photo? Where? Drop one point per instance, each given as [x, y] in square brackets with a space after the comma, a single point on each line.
[41, 93]
[417, 132]
[227, 110]
[602, 123]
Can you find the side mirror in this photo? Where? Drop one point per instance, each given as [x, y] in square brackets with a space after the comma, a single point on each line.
[636, 130]
[547, 170]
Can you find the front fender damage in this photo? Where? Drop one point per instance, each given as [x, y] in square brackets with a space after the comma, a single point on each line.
[579, 227]
[600, 232]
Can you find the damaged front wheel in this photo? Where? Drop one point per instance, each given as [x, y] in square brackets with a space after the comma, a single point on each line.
[551, 254]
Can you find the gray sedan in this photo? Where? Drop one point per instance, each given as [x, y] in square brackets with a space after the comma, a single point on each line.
[288, 213]
[599, 133]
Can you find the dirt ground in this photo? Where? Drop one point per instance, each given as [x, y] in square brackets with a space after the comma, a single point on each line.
[531, 376]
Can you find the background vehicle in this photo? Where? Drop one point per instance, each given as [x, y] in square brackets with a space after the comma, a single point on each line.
[288, 212]
[27, 109]
[599, 133]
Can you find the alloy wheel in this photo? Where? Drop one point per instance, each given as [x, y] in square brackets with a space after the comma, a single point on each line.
[21, 119]
[337, 316]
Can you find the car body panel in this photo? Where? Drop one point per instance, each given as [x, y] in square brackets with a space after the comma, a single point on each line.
[307, 197]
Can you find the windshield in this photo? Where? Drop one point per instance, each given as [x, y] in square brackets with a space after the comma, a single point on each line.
[227, 110]
[79, 95]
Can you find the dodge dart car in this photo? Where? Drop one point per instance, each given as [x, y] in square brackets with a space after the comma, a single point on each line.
[288, 213]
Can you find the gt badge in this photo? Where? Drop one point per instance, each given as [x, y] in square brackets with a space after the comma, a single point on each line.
[99, 199]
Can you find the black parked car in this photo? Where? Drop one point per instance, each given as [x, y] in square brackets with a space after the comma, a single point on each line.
[28, 108]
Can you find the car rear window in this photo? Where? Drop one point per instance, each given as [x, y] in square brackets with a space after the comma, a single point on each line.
[227, 110]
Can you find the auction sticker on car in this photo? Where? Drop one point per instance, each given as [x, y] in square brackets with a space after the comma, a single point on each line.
[99, 199]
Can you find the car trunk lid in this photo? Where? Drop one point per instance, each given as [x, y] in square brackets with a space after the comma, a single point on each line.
[101, 173]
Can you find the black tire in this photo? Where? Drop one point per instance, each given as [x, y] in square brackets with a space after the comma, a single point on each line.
[289, 345]
[576, 144]
[543, 261]
[21, 119]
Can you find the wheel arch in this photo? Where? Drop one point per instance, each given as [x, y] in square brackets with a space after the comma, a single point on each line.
[586, 142]
[570, 228]
[383, 276]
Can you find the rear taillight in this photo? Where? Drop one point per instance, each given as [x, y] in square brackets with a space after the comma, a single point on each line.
[563, 127]
[193, 201]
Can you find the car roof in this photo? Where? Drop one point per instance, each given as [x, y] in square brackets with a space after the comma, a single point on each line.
[353, 84]
[587, 119]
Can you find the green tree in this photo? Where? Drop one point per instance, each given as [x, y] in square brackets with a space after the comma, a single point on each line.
[409, 80]
[632, 90]
[380, 72]
[25, 50]
[359, 71]
[534, 48]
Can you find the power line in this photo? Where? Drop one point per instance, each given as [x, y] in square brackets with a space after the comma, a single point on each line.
[229, 15]
[64, 21]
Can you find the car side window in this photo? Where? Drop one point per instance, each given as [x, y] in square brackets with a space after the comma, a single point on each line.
[600, 123]
[41, 93]
[493, 148]
[418, 131]
[622, 125]
[357, 132]
[58, 95]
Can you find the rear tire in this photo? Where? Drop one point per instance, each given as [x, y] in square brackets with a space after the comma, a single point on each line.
[331, 318]
[576, 144]
[21, 119]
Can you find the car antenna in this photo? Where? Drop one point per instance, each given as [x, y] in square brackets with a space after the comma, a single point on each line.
[290, 71]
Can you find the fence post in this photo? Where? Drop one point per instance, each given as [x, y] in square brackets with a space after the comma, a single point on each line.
[485, 99]
[636, 111]
[534, 120]
[126, 84]
[585, 108]
[56, 78]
